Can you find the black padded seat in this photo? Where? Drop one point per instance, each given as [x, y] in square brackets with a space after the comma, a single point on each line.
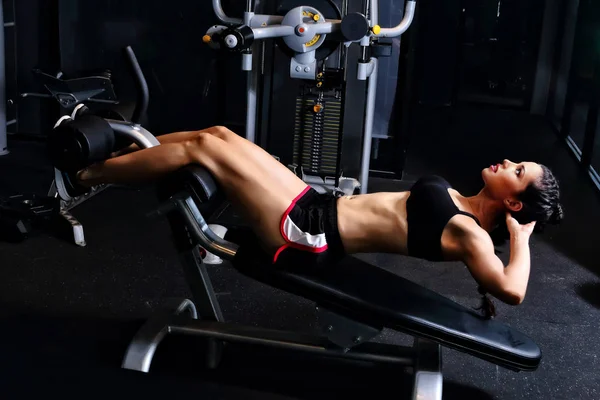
[372, 295]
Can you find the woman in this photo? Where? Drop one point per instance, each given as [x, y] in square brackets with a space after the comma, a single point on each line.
[296, 225]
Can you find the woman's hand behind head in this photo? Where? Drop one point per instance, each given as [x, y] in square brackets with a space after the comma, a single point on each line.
[515, 228]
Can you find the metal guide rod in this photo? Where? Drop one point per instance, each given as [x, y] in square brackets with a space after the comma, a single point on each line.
[374, 13]
[369, 121]
[3, 140]
[251, 104]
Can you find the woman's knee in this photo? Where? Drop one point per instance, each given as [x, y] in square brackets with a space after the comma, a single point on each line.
[204, 146]
[202, 140]
[222, 133]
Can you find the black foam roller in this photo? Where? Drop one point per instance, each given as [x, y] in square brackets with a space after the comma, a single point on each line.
[76, 144]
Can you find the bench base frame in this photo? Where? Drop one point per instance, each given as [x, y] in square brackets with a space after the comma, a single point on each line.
[342, 337]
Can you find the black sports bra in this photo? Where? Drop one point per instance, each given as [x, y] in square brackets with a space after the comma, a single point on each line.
[429, 209]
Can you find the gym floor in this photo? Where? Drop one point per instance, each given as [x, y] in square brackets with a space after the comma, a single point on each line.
[68, 313]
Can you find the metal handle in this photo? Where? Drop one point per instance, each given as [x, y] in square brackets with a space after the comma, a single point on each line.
[198, 227]
[135, 133]
[409, 14]
[265, 26]
[222, 16]
[274, 31]
[142, 86]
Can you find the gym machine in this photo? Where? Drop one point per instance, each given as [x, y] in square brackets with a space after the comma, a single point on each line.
[329, 124]
[350, 314]
[21, 215]
[72, 93]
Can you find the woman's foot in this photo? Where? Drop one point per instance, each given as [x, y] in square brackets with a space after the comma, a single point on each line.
[67, 186]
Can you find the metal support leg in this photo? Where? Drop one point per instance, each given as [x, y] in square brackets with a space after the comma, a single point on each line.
[428, 371]
[205, 299]
[214, 353]
[140, 352]
[67, 206]
[201, 286]
[76, 227]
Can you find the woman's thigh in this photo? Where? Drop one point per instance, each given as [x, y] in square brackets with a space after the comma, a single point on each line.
[262, 160]
[276, 172]
[259, 186]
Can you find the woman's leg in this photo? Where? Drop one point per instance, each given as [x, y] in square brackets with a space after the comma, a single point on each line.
[254, 153]
[256, 184]
[137, 167]
[174, 137]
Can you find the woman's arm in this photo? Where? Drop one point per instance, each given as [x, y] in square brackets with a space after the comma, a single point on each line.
[508, 284]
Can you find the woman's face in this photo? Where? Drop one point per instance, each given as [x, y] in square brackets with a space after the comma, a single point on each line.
[507, 180]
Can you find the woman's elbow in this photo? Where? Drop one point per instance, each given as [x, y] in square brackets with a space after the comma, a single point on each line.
[512, 297]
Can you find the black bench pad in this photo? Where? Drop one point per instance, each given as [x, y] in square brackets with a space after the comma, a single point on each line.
[372, 295]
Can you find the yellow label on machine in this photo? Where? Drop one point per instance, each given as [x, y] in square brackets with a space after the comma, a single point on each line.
[313, 41]
[314, 17]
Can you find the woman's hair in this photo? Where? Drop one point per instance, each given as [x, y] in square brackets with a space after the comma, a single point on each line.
[541, 203]
[487, 307]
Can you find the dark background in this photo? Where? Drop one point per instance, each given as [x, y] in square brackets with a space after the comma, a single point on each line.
[474, 81]
[534, 56]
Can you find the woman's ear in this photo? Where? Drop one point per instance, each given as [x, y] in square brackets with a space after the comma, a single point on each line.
[513, 205]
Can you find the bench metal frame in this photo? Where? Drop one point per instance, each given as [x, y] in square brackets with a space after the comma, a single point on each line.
[342, 337]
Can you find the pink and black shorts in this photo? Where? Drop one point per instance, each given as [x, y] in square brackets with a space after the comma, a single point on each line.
[309, 227]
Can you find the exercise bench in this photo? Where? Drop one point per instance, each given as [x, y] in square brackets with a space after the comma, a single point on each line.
[355, 301]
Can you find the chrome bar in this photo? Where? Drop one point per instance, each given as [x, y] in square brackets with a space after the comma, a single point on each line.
[369, 121]
[138, 134]
[221, 14]
[374, 17]
[274, 31]
[409, 14]
[251, 105]
[259, 20]
[330, 26]
[200, 230]
[293, 341]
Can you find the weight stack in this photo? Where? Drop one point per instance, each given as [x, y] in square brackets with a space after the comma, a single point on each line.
[317, 135]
